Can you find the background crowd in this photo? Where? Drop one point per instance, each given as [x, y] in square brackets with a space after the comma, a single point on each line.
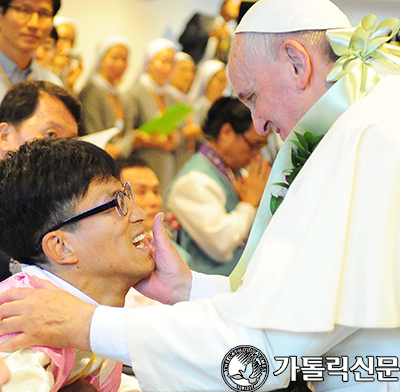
[207, 169]
[222, 148]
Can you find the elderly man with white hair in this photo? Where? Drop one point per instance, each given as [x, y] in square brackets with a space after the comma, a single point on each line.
[320, 291]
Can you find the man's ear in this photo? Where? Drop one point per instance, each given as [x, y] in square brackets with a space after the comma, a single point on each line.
[300, 61]
[226, 131]
[58, 248]
[7, 137]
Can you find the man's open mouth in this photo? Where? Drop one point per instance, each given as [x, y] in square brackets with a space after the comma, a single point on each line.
[137, 241]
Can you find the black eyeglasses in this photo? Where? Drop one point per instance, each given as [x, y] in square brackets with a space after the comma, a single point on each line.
[119, 202]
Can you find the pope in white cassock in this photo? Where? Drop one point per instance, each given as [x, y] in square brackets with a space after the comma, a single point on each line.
[323, 277]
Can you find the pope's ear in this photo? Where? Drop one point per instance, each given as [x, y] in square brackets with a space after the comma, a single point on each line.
[57, 247]
[300, 61]
[7, 137]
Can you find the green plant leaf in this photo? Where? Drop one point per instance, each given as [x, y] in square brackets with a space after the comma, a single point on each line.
[305, 144]
[302, 160]
[293, 174]
[282, 184]
[294, 159]
[317, 140]
[310, 138]
[276, 201]
[303, 154]
[302, 140]
[298, 144]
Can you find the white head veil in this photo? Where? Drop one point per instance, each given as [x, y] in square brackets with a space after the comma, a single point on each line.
[108, 43]
[154, 48]
[205, 73]
[63, 20]
[182, 56]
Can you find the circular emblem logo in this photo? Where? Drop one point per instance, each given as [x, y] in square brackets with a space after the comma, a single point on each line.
[244, 368]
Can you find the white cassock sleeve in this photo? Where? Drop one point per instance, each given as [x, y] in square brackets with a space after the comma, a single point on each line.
[181, 347]
[205, 286]
[199, 203]
[29, 372]
[110, 322]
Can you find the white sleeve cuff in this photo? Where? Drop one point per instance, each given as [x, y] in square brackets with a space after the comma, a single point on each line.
[107, 334]
[107, 329]
[205, 286]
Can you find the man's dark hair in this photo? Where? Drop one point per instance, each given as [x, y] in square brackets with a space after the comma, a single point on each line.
[40, 186]
[132, 161]
[21, 100]
[227, 110]
[5, 5]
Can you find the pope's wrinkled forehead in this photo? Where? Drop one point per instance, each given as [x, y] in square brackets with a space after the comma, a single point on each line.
[283, 16]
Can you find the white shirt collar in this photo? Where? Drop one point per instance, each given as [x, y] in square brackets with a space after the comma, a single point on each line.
[34, 270]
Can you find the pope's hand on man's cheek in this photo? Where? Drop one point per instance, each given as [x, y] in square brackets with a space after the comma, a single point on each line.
[171, 279]
[45, 316]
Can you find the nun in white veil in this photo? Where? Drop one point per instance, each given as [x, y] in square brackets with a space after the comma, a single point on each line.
[104, 106]
[209, 85]
[148, 99]
[191, 132]
[182, 77]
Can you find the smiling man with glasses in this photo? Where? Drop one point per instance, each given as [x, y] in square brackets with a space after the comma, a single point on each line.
[24, 24]
[67, 217]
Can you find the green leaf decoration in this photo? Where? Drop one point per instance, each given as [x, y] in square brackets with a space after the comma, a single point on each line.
[282, 184]
[293, 175]
[295, 160]
[302, 160]
[304, 147]
[317, 140]
[310, 138]
[302, 140]
[276, 201]
[297, 143]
